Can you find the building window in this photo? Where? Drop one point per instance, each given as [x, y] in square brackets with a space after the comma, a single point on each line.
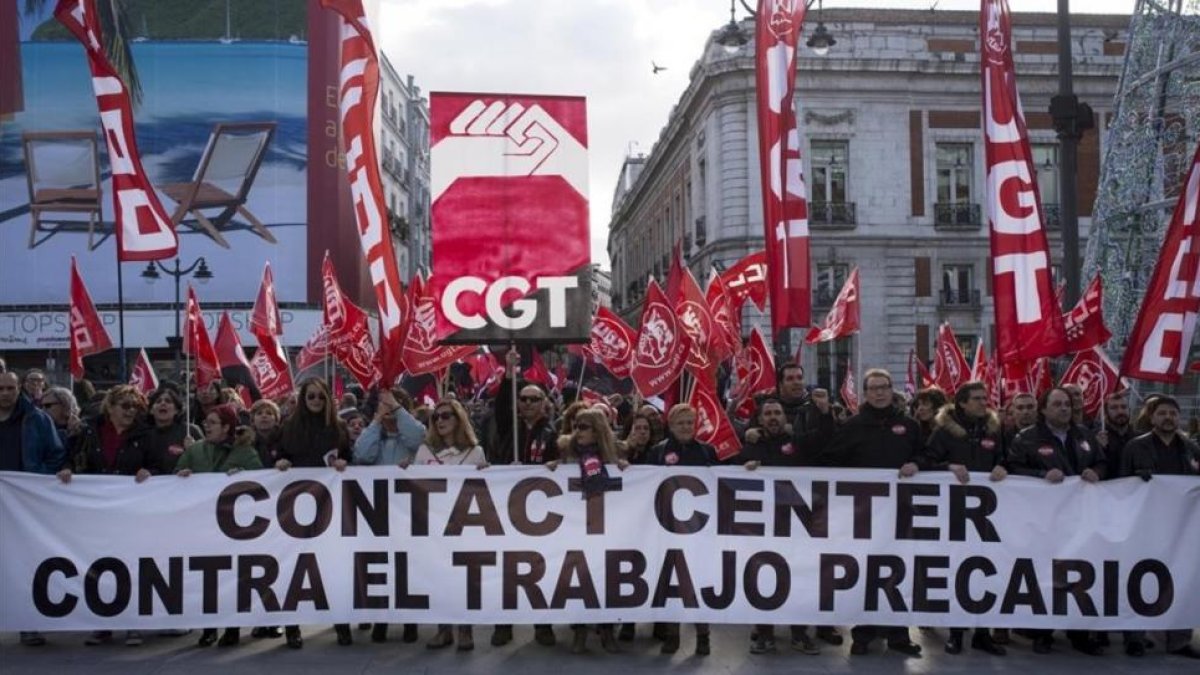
[830, 279]
[833, 361]
[1045, 163]
[967, 344]
[830, 166]
[955, 170]
[958, 285]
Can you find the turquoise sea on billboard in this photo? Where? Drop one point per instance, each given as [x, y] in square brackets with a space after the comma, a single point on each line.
[188, 87]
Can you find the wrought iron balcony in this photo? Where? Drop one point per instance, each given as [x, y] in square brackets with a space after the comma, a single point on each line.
[831, 213]
[964, 298]
[956, 215]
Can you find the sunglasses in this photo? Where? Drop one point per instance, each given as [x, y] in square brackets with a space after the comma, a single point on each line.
[314, 397]
[531, 399]
[444, 416]
[580, 426]
[127, 405]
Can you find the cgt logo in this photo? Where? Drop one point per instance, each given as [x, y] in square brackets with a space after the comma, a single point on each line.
[520, 313]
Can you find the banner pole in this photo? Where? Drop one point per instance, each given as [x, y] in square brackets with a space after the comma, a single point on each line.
[122, 375]
[187, 388]
[582, 370]
[515, 429]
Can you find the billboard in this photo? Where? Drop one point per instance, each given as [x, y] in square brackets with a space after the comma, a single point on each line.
[221, 126]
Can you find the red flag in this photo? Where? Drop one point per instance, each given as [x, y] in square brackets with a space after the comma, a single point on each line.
[1096, 376]
[315, 350]
[843, 317]
[264, 318]
[910, 380]
[694, 318]
[849, 392]
[980, 366]
[747, 280]
[1041, 376]
[1162, 334]
[537, 372]
[143, 229]
[754, 367]
[349, 333]
[926, 379]
[143, 376]
[270, 368]
[712, 424]
[950, 368]
[197, 343]
[358, 91]
[1085, 323]
[781, 168]
[612, 342]
[422, 353]
[1013, 377]
[662, 346]
[675, 272]
[87, 329]
[229, 345]
[271, 382]
[726, 320]
[1028, 321]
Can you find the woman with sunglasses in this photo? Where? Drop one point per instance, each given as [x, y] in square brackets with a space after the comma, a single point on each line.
[451, 441]
[313, 436]
[168, 433]
[113, 443]
[226, 448]
[591, 445]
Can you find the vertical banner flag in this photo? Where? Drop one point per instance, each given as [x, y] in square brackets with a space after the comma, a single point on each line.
[662, 346]
[144, 232]
[612, 342]
[143, 377]
[270, 368]
[712, 424]
[509, 193]
[197, 343]
[359, 89]
[1162, 334]
[349, 334]
[785, 198]
[422, 352]
[843, 318]
[1096, 376]
[87, 330]
[1085, 322]
[1029, 321]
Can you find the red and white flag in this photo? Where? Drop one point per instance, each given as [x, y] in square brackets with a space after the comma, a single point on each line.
[843, 318]
[270, 368]
[726, 319]
[143, 377]
[315, 350]
[349, 332]
[422, 351]
[781, 168]
[849, 391]
[712, 424]
[1041, 376]
[911, 378]
[980, 368]
[143, 228]
[88, 335]
[950, 367]
[229, 346]
[754, 369]
[1162, 334]
[1096, 376]
[747, 280]
[694, 318]
[537, 372]
[196, 343]
[662, 346]
[1028, 322]
[612, 342]
[1085, 322]
[359, 89]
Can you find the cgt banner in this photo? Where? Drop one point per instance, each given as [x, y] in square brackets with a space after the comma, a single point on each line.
[509, 195]
[521, 545]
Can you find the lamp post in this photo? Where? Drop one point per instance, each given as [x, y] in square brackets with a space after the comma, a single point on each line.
[198, 270]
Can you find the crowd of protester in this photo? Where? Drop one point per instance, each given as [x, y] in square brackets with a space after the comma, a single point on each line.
[55, 430]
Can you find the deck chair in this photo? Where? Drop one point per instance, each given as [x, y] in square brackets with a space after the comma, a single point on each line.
[62, 169]
[223, 179]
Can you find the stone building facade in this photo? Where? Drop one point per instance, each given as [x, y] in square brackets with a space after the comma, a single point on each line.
[894, 165]
[403, 127]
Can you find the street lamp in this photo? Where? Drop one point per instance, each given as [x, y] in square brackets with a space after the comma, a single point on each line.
[198, 271]
[732, 37]
[822, 39]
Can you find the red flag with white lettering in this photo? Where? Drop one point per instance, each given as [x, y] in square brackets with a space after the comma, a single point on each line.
[726, 320]
[270, 368]
[359, 89]
[87, 329]
[1041, 376]
[950, 368]
[1096, 376]
[694, 318]
[613, 342]
[197, 343]
[843, 318]
[422, 351]
[143, 229]
[142, 376]
[712, 424]
[1028, 322]
[747, 280]
[1085, 322]
[980, 366]
[1162, 334]
[781, 168]
[314, 350]
[662, 346]
[754, 368]
[349, 332]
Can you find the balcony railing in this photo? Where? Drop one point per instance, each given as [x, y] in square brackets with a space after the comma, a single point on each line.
[959, 297]
[959, 214]
[831, 213]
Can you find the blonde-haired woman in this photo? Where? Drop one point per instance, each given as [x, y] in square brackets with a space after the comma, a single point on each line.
[591, 445]
[451, 441]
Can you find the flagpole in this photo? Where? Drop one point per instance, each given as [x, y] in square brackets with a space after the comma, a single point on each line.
[187, 359]
[122, 375]
[513, 383]
[582, 370]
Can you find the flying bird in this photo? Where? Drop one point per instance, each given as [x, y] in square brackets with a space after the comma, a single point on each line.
[656, 67]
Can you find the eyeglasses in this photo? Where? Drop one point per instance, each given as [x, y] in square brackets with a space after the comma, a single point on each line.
[444, 416]
[581, 426]
[127, 405]
[531, 399]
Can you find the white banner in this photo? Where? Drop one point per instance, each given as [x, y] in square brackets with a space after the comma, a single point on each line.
[521, 545]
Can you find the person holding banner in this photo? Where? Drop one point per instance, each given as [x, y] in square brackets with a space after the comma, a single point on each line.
[313, 436]
[967, 437]
[1053, 449]
[450, 441]
[169, 433]
[880, 436]
[635, 447]
[1116, 425]
[60, 404]
[392, 438]
[265, 418]
[226, 448]
[680, 448]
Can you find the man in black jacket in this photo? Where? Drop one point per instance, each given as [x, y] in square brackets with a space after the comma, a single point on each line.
[880, 436]
[1120, 431]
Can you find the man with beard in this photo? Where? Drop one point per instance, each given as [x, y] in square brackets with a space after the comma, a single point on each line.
[1164, 451]
[880, 436]
[1120, 431]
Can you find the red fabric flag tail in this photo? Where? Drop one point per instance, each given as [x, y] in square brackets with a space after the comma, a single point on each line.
[264, 318]
[849, 392]
[143, 377]
[235, 367]
[697, 323]
[537, 372]
[754, 368]
[87, 335]
[726, 321]
[843, 318]
[662, 346]
[1085, 322]
[747, 280]
[1096, 376]
[612, 342]
[910, 381]
[206, 366]
[712, 424]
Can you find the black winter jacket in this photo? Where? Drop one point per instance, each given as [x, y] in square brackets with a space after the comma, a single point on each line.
[1036, 450]
[876, 438]
[957, 439]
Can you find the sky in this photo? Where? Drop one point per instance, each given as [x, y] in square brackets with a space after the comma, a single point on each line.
[601, 49]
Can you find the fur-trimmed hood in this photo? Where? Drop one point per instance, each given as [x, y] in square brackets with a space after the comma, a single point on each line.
[949, 421]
